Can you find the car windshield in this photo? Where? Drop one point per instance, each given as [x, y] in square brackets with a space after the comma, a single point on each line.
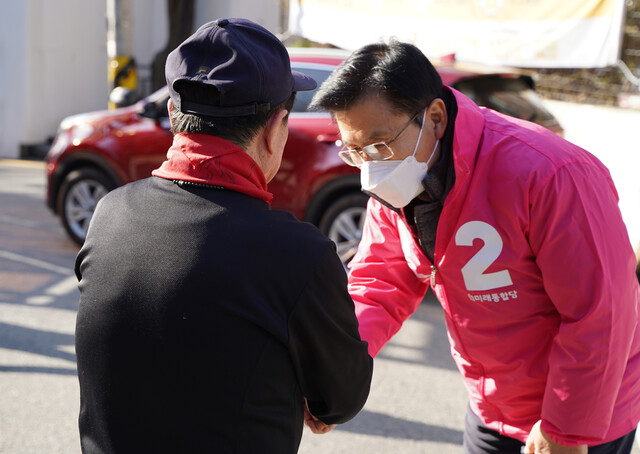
[319, 74]
[511, 96]
[160, 98]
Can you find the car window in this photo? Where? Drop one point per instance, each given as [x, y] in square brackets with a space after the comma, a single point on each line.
[303, 98]
[511, 96]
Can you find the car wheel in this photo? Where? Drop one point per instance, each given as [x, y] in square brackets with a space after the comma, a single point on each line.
[79, 195]
[342, 222]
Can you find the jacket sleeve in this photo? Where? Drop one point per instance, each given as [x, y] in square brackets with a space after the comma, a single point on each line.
[331, 361]
[583, 251]
[386, 292]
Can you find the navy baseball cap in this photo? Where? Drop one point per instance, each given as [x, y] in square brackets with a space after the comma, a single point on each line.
[246, 63]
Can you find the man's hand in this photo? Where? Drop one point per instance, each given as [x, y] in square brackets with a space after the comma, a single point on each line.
[316, 426]
[539, 442]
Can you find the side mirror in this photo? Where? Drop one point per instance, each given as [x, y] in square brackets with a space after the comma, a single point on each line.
[150, 110]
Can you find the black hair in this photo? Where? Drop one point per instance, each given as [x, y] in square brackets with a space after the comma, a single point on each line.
[240, 130]
[400, 72]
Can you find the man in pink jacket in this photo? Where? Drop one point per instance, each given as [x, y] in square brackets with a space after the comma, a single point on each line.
[519, 235]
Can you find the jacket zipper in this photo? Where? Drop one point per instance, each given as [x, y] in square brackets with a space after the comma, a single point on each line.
[434, 270]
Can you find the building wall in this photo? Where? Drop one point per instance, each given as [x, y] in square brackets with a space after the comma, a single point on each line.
[66, 62]
[263, 12]
[13, 64]
[52, 64]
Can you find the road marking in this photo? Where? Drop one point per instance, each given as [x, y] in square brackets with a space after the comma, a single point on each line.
[63, 287]
[60, 288]
[35, 262]
[41, 300]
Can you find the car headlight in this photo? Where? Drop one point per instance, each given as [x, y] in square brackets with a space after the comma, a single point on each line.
[81, 132]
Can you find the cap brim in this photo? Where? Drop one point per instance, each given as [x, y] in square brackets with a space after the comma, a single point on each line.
[302, 82]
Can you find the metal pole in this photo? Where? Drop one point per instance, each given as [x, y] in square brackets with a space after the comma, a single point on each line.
[122, 67]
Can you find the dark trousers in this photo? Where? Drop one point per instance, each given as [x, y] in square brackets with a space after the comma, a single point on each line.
[479, 439]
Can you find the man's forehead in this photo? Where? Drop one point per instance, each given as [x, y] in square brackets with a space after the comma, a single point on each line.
[367, 121]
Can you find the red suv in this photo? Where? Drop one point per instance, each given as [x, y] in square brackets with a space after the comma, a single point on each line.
[94, 153]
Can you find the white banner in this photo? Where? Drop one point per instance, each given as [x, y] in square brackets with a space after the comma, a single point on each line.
[523, 33]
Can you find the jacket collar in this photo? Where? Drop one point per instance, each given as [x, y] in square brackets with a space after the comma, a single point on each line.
[213, 161]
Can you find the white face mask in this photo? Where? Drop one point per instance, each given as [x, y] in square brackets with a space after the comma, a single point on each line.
[396, 182]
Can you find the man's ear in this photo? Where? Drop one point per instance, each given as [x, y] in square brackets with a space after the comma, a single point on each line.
[274, 130]
[170, 109]
[437, 114]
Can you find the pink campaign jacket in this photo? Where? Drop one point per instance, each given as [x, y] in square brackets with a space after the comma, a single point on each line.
[535, 273]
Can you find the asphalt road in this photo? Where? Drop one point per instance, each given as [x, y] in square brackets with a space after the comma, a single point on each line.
[38, 302]
[417, 401]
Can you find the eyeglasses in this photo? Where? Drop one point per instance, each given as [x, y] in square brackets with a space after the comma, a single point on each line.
[379, 151]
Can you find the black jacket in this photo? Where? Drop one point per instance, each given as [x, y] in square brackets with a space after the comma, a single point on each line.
[204, 319]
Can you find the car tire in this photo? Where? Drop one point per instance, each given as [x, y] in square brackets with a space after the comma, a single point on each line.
[342, 222]
[79, 194]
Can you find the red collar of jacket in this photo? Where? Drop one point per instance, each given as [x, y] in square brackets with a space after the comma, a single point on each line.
[206, 159]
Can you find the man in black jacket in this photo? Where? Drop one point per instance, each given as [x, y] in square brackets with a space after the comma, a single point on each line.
[207, 321]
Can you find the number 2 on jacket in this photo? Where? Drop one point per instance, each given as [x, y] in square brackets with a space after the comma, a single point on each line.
[473, 272]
